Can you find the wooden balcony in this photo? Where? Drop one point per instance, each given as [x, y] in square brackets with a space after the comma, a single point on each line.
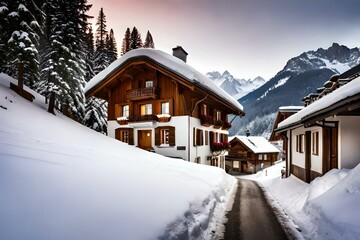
[141, 93]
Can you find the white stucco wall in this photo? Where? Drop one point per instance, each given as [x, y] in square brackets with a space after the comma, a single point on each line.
[184, 126]
[349, 141]
[298, 158]
[316, 160]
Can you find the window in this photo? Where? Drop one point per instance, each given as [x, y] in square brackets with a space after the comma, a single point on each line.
[125, 111]
[260, 157]
[165, 108]
[149, 83]
[146, 109]
[300, 143]
[198, 137]
[204, 109]
[315, 143]
[218, 115]
[125, 135]
[164, 136]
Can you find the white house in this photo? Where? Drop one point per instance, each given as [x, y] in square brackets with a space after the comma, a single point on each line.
[156, 101]
[326, 133]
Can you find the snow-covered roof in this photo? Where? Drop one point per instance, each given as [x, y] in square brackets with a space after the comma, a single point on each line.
[290, 108]
[169, 62]
[256, 144]
[346, 91]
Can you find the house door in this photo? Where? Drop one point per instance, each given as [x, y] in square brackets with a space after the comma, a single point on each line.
[330, 148]
[308, 156]
[144, 139]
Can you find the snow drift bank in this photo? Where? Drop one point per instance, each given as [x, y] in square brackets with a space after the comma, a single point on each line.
[60, 180]
[327, 208]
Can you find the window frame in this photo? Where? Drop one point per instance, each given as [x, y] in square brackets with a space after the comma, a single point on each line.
[315, 143]
[164, 136]
[167, 107]
[147, 107]
[149, 83]
[125, 111]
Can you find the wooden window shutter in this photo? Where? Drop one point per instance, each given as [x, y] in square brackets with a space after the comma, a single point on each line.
[117, 134]
[201, 137]
[131, 136]
[157, 136]
[172, 136]
[212, 139]
[206, 137]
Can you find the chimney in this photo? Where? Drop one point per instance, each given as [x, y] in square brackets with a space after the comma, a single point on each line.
[180, 53]
[247, 132]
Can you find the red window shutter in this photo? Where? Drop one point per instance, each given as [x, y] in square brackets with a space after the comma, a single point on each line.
[131, 136]
[172, 136]
[157, 136]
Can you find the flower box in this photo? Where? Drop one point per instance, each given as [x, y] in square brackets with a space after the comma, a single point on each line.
[218, 124]
[219, 146]
[226, 125]
[122, 120]
[163, 117]
[206, 120]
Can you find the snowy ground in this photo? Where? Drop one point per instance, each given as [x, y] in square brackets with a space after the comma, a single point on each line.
[60, 180]
[327, 208]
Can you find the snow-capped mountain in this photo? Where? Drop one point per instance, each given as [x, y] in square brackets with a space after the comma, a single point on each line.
[300, 76]
[236, 87]
[336, 58]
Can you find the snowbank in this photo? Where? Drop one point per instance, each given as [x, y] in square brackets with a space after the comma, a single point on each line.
[60, 180]
[327, 208]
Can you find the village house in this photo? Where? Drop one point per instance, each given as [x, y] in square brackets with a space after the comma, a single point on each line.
[276, 139]
[159, 103]
[325, 134]
[250, 154]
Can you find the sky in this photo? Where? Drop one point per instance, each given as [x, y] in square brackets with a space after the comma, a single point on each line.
[249, 38]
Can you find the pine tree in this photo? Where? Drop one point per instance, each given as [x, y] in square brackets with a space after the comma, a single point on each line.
[98, 59]
[111, 47]
[126, 42]
[101, 31]
[96, 114]
[135, 39]
[63, 68]
[149, 42]
[90, 49]
[20, 29]
[101, 60]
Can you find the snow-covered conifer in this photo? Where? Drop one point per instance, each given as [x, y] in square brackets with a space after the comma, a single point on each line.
[126, 42]
[149, 42]
[135, 39]
[20, 27]
[64, 65]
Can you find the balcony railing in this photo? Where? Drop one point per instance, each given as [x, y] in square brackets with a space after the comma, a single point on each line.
[141, 93]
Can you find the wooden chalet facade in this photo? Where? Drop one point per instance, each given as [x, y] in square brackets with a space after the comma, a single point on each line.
[159, 103]
[249, 154]
[325, 134]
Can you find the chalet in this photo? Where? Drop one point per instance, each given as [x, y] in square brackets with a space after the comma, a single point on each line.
[157, 102]
[250, 153]
[276, 139]
[325, 134]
